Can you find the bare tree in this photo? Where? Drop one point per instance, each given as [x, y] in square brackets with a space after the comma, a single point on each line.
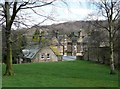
[110, 10]
[9, 15]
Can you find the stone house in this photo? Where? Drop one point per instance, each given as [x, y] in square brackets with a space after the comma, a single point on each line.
[73, 46]
[45, 54]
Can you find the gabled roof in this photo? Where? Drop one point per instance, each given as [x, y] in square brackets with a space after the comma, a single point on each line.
[55, 50]
[55, 41]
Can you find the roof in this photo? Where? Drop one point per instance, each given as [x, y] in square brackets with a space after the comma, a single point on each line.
[54, 41]
[30, 53]
[55, 50]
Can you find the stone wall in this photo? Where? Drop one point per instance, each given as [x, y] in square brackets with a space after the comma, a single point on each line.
[43, 54]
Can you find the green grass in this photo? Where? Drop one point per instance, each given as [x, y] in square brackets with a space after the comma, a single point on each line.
[0, 75]
[61, 74]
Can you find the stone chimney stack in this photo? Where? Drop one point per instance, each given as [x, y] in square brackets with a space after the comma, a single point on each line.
[80, 33]
[80, 36]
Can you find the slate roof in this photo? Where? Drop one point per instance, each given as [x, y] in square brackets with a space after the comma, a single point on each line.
[30, 53]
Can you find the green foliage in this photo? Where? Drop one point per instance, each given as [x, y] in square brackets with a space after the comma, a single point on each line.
[36, 36]
[18, 45]
[61, 74]
[39, 37]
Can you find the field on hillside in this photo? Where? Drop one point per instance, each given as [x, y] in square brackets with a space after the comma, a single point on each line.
[61, 74]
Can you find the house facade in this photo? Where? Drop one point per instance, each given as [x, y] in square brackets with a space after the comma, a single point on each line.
[45, 54]
[73, 46]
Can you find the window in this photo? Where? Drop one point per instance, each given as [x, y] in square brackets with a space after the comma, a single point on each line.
[48, 56]
[42, 56]
[75, 47]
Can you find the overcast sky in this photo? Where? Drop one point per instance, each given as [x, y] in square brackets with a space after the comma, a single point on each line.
[60, 12]
[74, 10]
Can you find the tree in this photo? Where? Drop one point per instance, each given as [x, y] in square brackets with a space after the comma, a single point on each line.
[36, 36]
[18, 45]
[110, 10]
[9, 14]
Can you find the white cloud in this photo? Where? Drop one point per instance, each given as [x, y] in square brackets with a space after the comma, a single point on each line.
[72, 13]
[61, 13]
[81, 11]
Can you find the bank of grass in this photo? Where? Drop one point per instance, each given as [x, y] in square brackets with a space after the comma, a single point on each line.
[61, 74]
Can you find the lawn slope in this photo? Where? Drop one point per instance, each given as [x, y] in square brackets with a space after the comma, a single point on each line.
[61, 74]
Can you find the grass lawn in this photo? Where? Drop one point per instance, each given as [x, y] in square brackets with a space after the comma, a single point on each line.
[61, 74]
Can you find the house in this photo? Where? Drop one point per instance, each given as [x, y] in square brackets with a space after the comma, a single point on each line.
[55, 48]
[73, 44]
[45, 54]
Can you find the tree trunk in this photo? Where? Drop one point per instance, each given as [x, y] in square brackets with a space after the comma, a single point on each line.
[9, 69]
[103, 59]
[111, 44]
[88, 56]
[112, 64]
[98, 54]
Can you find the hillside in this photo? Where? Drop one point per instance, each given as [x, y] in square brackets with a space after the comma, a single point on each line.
[66, 27]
